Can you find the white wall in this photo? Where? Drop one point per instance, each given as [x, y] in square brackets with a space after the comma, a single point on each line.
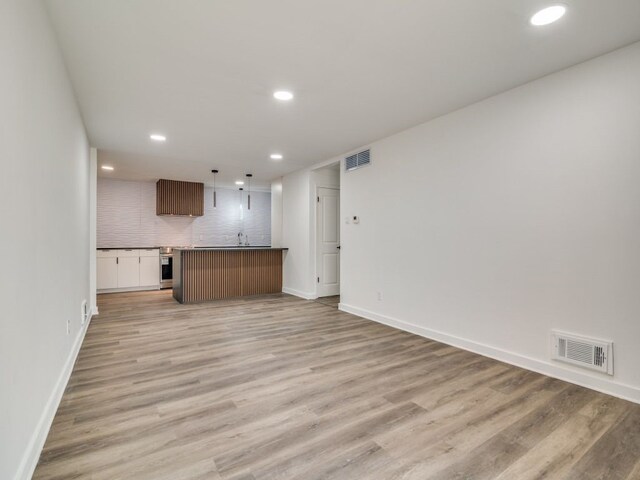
[127, 218]
[44, 201]
[276, 213]
[296, 235]
[328, 177]
[299, 226]
[490, 226]
[93, 208]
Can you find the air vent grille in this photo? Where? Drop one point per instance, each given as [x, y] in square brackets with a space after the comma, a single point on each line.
[84, 312]
[562, 347]
[585, 352]
[357, 160]
[580, 352]
[599, 356]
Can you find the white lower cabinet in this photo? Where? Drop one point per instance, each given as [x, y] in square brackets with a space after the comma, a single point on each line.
[128, 269]
[106, 272]
[128, 272]
[149, 271]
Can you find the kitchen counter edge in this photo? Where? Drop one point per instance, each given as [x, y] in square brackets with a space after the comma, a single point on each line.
[207, 249]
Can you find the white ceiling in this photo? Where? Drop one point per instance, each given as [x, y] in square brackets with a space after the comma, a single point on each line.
[203, 72]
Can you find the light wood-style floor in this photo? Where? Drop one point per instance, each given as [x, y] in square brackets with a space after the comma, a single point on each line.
[332, 301]
[282, 388]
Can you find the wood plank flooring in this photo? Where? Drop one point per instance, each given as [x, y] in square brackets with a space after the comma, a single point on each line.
[332, 301]
[276, 387]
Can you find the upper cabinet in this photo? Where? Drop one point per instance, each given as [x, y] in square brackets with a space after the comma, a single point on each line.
[179, 198]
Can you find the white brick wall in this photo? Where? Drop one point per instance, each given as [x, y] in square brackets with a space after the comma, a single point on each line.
[127, 218]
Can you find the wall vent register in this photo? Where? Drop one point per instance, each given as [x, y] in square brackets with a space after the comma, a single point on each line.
[357, 160]
[84, 312]
[582, 351]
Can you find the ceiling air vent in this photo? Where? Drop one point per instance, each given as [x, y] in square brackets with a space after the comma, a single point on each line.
[357, 160]
[582, 351]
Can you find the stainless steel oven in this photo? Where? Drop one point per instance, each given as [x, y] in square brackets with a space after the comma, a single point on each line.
[166, 267]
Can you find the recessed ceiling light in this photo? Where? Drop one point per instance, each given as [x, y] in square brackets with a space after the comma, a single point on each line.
[548, 15]
[157, 137]
[276, 156]
[107, 167]
[283, 95]
[239, 183]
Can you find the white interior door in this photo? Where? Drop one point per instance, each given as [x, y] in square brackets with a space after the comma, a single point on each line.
[328, 242]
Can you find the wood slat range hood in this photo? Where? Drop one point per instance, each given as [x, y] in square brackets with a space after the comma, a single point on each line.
[174, 197]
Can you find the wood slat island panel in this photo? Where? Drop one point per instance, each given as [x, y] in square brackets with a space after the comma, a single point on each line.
[209, 274]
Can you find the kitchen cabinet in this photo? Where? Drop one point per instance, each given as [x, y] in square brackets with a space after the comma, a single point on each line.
[127, 269]
[128, 272]
[149, 267]
[106, 272]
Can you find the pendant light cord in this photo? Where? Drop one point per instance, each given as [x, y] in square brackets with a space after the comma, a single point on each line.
[214, 187]
[249, 175]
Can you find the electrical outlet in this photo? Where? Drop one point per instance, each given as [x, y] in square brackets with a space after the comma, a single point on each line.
[68, 325]
[379, 296]
[201, 236]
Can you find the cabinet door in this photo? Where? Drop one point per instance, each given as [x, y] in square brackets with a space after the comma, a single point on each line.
[129, 252]
[128, 272]
[149, 271]
[106, 272]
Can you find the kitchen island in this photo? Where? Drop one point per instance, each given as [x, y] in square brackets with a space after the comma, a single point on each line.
[204, 274]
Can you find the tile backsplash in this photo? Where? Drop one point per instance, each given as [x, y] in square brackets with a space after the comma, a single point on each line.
[126, 217]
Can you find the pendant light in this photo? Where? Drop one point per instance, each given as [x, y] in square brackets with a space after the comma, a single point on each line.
[214, 187]
[249, 175]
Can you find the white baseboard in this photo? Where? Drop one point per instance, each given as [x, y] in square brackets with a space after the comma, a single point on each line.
[128, 289]
[32, 454]
[604, 385]
[298, 293]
